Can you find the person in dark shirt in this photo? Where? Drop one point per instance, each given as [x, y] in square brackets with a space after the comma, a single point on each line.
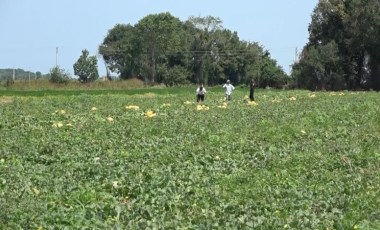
[252, 90]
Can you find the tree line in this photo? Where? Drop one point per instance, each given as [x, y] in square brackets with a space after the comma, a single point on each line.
[160, 48]
[19, 74]
[343, 51]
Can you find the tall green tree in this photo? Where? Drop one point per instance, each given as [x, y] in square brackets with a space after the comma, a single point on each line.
[203, 45]
[354, 26]
[121, 50]
[370, 26]
[225, 57]
[86, 68]
[321, 65]
[159, 35]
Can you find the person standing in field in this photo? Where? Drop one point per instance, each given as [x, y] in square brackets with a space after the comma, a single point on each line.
[201, 91]
[252, 90]
[228, 90]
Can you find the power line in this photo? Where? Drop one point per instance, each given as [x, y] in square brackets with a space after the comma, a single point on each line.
[195, 52]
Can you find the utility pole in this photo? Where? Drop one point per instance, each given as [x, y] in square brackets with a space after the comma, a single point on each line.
[14, 75]
[56, 56]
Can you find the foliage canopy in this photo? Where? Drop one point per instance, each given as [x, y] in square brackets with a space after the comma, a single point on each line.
[162, 49]
[343, 51]
[86, 68]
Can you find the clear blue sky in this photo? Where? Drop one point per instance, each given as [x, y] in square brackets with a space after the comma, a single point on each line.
[31, 30]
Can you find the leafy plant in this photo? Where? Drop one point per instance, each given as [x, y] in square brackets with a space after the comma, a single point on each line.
[58, 75]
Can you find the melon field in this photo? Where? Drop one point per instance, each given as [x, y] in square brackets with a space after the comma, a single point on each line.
[157, 160]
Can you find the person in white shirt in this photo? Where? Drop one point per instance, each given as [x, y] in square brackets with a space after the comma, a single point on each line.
[229, 87]
[201, 91]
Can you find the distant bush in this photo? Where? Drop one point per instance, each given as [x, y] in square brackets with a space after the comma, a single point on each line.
[58, 75]
[8, 83]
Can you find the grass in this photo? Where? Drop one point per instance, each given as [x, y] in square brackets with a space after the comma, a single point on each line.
[45, 84]
[40, 88]
[296, 160]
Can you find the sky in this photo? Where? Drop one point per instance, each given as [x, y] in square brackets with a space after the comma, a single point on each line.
[31, 31]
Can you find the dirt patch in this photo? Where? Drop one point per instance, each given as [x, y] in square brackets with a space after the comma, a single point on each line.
[5, 100]
[145, 95]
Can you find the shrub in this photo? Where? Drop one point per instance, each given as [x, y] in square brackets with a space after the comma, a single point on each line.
[58, 75]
